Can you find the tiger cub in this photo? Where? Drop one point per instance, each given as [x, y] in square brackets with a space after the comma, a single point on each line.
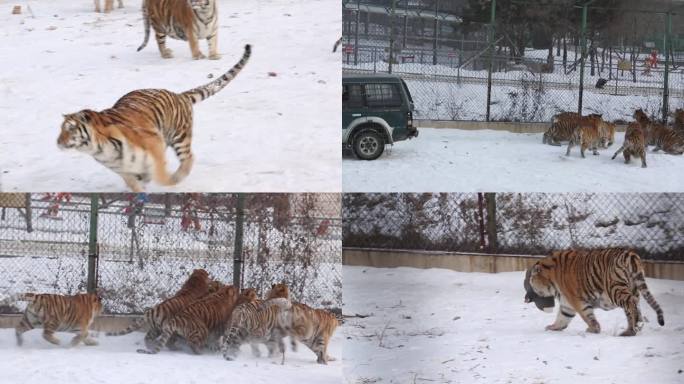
[198, 322]
[195, 287]
[634, 145]
[597, 278]
[109, 5]
[586, 135]
[312, 327]
[55, 313]
[257, 321]
[131, 137]
[187, 20]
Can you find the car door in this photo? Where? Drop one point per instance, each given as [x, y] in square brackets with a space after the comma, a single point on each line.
[384, 100]
[353, 105]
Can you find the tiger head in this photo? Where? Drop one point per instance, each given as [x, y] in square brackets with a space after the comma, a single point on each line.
[200, 4]
[198, 281]
[278, 290]
[248, 295]
[215, 285]
[640, 116]
[75, 131]
[542, 278]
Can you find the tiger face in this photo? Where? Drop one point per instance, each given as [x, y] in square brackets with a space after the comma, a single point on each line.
[542, 277]
[199, 4]
[74, 132]
[278, 290]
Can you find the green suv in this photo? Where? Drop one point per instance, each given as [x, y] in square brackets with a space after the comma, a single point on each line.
[376, 110]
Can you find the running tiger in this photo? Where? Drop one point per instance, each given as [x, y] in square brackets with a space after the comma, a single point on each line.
[587, 135]
[257, 322]
[312, 327]
[109, 5]
[131, 137]
[187, 20]
[634, 145]
[598, 278]
[197, 286]
[58, 313]
[199, 322]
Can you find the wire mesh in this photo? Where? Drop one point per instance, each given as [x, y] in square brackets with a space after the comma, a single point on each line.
[149, 243]
[530, 223]
[441, 50]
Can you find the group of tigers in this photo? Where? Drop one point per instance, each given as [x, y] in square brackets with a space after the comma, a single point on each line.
[204, 313]
[583, 280]
[592, 132]
[131, 137]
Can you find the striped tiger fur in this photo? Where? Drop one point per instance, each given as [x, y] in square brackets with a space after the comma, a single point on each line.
[109, 5]
[257, 322]
[55, 313]
[562, 127]
[187, 20]
[197, 286]
[198, 323]
[679, 121]
[312, 327]
[606, 134]
[634, 145]
[659, 135]
[131, 137]
[586, 135]
[337, 44]
[597, 278]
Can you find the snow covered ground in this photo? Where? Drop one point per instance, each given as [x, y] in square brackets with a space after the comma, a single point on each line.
[485, 160]
[258, 134]
[115, 361]
[441, 326]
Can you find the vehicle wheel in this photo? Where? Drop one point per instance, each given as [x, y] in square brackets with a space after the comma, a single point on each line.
[368, 145]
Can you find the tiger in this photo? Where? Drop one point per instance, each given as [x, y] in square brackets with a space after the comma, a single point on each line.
[586, 135]
[595, 278]
[131, 137]
[109, 5]
[606, 134]
[645, 122]
[635, 144]
[562, 127]
[659, 135]
[195, 287]
[57, 313]
[337, 44]
[187, 20]
[312, 327]
[254, 321]
[199, 322]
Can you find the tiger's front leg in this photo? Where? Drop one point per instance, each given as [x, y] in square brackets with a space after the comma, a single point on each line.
[132, 182]
[166, 53]
[563, 318]
[194, 47]
[213, 47]
[587, 314]
[49, 332]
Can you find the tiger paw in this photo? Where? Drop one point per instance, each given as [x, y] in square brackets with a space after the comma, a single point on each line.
[628, 332]
[167, 54]
[198, 56]
[593, 330]
[214, 56]
[90, 342]
[554, 327]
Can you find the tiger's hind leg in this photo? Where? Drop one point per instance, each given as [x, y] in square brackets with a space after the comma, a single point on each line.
[132, 182]
[23, 326]
[182, 147]
[197, 339]
[161, 175]
[109, 4]
[166, 53]
[213, 46]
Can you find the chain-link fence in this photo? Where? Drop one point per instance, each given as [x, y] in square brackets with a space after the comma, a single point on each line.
[141, 248]
[534, 70]
[513, 223]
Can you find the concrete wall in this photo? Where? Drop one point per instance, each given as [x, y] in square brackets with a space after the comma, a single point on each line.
[105, 323]
[475, 262]
[494, 125]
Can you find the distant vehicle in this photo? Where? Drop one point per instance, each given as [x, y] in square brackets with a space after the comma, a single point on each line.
[376, 110]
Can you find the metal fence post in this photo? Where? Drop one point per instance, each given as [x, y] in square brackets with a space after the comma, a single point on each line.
[92, 243]
[29, 214]
[239, 231]
[490, 198]
[391, 41]
[356, 33]
[491, 57]
[583, 54]
[666, 87]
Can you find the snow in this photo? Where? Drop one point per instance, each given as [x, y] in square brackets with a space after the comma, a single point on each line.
[487, 160]
[441, 326]
[258, 134]
[115, 361]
